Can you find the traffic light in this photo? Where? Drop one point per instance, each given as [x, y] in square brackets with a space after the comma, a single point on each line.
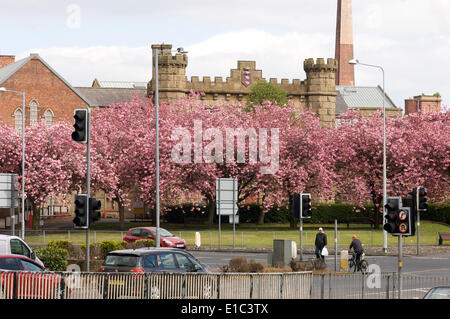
[296, 206]
[411, 203]
[305, 209]
[94, 207]
[421, 199]
[80, 210]
[398, 219]
[81, 123]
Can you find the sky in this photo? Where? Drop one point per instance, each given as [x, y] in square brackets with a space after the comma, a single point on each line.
[111, 40]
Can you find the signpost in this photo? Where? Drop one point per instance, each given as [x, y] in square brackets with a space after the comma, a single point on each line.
[226, 202]
[8, 196]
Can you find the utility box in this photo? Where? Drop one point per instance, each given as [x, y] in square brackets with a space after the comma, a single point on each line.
[282, 252]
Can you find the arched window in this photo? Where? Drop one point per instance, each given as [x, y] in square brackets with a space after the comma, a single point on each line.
[48, 116]
[33, 112]
[18, 121]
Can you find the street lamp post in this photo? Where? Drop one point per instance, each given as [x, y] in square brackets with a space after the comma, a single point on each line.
[157, 51]
[355, 62]
[23, 158]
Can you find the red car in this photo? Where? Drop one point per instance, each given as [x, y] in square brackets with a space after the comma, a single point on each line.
[31, 279]
[167, 239]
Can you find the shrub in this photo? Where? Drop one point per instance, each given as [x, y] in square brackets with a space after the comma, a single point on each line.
[241, 264]
[109, 245]
[65, 244]
[54, 258]
[141, 243]
[93, 249]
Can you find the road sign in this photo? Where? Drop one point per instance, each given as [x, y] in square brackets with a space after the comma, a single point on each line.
[8, 190]
[226, 201]
[226, 196]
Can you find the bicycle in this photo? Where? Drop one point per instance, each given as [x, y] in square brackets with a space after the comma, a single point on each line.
[361, 266]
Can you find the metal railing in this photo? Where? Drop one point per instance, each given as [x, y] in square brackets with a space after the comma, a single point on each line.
[301, 285]
[24, 285]
[373, 286]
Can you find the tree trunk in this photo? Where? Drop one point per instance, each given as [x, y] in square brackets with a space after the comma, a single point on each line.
[121, 215]
[292, 220]
[211, 210]
[36, 217]
[260, 220]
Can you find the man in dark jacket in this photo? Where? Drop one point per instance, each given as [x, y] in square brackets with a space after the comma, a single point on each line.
[357, 248]
[320, 243]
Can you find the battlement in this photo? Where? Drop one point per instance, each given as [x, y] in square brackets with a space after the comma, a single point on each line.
[309, 65]
[166, 58]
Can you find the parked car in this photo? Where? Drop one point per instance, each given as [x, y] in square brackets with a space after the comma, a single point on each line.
[442, 292]
[167, 239]
[10, 245]
[31, 281]
[152, 259]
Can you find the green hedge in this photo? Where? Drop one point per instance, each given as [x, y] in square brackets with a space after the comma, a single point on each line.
[54, 258]
[438, 213]
[322, 213]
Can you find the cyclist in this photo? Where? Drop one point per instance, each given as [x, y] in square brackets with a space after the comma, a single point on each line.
[357, 248]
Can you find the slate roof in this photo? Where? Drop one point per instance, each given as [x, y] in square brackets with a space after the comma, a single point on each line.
[103, 97]
[361, 97]
[120, 84]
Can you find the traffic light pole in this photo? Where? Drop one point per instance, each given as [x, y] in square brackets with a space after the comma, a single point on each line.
[88, 184]
[301, 239]
[418, 232]
[400, 266]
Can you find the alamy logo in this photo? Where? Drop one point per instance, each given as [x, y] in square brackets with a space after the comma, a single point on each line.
[213, 152]
[74, 18]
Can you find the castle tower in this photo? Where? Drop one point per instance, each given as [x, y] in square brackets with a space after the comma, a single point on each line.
[321, 88]
[171, 73]
[344, 44]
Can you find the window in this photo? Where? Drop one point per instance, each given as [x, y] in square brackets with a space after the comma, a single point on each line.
[18, 121]
[184, 263]
[121, 260]
[48, 116]
[136, 233]
[33, 112]
[166, 261]
[19, 248]
[150, 261]
[145, 233]
[29, 266]
[10, 264]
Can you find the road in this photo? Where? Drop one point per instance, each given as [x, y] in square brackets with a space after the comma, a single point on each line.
[412, 265]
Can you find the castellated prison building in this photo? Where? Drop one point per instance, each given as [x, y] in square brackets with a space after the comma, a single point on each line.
[317, 92]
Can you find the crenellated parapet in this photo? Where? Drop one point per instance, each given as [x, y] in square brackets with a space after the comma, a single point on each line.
[317, 92]
[309, 65]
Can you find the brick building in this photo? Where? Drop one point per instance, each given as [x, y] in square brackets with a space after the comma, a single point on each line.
[48, 96]
[423, 103]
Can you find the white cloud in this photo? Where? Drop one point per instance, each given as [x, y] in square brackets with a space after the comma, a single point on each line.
[409, 38]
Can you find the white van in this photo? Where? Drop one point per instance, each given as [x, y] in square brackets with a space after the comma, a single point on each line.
[13, 245]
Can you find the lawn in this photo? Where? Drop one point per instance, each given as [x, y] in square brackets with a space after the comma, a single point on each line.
[248, 235]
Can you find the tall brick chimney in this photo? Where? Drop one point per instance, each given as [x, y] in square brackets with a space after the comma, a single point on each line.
[6, 59]
[345, 74]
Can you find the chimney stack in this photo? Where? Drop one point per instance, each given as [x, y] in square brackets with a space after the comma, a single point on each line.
[345, 74]
[6, 59]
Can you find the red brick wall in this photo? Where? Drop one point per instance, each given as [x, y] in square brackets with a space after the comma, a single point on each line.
[39, 84]
[6, 59]
[410, 106]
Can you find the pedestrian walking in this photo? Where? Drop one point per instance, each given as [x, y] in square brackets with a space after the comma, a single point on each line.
[320, 243]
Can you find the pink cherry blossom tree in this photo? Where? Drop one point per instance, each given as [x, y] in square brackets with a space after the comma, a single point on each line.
[417, 153]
